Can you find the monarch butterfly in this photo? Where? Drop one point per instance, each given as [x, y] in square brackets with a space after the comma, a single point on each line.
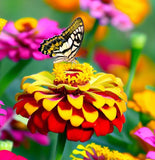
[65, 46]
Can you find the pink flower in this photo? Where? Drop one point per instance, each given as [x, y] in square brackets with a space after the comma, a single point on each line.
[96, 9]
[121, 21]
[147, 139]
[107, 13]
[2, 114]
[7, 155]
[21, 40]
[16, 131]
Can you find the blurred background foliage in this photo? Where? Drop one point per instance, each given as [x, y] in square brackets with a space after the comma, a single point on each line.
[115, 40]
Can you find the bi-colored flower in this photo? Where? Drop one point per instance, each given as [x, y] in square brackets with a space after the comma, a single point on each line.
[16, 131]
[7, 155]
[21, 39]
[118, 63]
[143, 102]
[97, 152]
[2, 23]
[74, 100]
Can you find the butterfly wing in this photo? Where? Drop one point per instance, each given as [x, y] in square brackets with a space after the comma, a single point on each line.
[74, 36]
[65, 46]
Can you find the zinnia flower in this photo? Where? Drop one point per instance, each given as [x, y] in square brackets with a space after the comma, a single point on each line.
[3, 114]
[2, 23]
[106, 12]
[74, 100]
[96, 152]
[12, 129]
[147, 140]
[7, 155]
[143, 102]
[118, 63]
[21, 39]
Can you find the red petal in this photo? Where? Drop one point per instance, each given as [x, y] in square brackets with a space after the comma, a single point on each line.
[123, 118]
[78, 134]
[74, 133]
[87, 125]
[86, 135]
[19, 106]
[118, 122]
[45, 114]
[102, 126]
[108, 94]
[55, 122]
[31, 126]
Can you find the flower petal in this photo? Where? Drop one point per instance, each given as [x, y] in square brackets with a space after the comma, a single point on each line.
[65, 110]
[38, 96]
[76, 101]
[84, 87]
[99, 100]
[77, 118]
[118, 122]
[103, 126]
[49, 104]
[30, 108]
[122, 106]
[56, 123]
[76, 133]
[109, 112]
[90, 113]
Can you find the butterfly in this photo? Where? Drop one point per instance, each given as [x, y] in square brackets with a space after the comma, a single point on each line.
[65, 46]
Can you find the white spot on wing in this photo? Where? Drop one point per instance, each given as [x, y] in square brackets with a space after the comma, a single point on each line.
[72, 36]
[77, 44]
[70, 42]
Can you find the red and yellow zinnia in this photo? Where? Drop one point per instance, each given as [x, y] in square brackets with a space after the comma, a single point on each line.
[74, 100]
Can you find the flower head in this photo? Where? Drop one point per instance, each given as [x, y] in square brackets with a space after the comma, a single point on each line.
[74, 100]
[2, 23]
[7, 155]
[118, 63]
[143, 102]
[21, 39]
[147, 140]
[106, 12]
[12, 129]
[93, 152]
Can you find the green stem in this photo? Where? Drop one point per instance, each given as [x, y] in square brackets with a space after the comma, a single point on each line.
[12, 74]
[60, 145]
[135, 53]
[137, 43]
[91, 42]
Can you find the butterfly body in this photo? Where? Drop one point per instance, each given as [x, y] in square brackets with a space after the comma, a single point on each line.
[65, 46]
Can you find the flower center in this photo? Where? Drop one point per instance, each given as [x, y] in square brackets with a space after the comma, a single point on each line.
[25, 24]
[72, 73]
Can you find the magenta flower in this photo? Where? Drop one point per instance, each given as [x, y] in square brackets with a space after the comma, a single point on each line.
[147, 139]
[3, 114]
[21, 40]
[7, 155]
[14, 130]
[107, 13]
